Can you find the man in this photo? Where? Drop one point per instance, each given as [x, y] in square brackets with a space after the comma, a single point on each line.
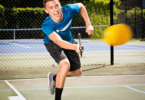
[59, 41]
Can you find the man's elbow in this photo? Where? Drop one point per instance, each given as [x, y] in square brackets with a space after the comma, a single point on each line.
[80, 5]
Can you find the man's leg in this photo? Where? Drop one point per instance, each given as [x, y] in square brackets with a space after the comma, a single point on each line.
[71, 73]
[75, 73]
[62, 73]
[60, 78]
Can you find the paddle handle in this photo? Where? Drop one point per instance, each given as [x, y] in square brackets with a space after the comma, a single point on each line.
[79, 35]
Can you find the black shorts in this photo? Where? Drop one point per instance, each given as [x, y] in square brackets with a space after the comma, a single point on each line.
[59, 54]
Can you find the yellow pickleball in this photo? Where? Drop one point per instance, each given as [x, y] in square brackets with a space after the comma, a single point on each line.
[117, 34]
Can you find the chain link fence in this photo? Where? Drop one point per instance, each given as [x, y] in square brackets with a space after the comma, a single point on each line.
[21, 37]
[134, 15]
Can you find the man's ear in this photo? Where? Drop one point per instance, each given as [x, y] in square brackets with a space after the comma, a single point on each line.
[45, 10]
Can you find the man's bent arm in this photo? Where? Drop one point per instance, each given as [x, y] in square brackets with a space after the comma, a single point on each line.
[63, 44]
[84, 14]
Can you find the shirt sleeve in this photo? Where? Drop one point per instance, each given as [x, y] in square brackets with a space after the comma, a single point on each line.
[48, 29]
[75, 8]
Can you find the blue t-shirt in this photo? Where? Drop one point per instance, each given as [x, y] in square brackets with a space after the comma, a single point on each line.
[63, 28]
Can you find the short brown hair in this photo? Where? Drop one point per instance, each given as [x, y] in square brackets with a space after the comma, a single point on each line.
[44, 2]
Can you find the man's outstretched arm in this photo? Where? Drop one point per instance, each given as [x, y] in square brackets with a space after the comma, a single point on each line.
[84, 14]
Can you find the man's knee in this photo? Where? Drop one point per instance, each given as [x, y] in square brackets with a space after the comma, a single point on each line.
[64, 64]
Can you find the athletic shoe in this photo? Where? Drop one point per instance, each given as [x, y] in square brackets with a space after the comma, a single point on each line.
[51, 83]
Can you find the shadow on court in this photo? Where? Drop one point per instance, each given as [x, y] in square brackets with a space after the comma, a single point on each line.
[93, 68]
[124, 87]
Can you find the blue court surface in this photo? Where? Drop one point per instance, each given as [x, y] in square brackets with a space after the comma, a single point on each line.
[37, 46]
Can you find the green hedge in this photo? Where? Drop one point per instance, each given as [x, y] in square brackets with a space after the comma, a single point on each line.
[98, 10]
[2, 21]
[24, 17]
[2, 9]
[136, 20]
[99, 13]
[135, 12]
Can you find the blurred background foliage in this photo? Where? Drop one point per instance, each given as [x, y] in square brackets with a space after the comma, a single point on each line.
[16, 14]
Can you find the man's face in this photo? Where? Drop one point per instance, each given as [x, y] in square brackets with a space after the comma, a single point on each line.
[53, 8]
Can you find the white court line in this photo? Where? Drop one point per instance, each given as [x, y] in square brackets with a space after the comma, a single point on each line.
[78, 87]
[127, 86]
[19, 97]
[18, 45]
[134, 89]
[74, 77]
[89, 87]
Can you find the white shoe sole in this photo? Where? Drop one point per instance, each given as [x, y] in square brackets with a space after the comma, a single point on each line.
[49, 83]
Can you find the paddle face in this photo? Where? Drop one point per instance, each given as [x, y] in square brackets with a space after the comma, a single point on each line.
[80, 47]
[117, 34]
